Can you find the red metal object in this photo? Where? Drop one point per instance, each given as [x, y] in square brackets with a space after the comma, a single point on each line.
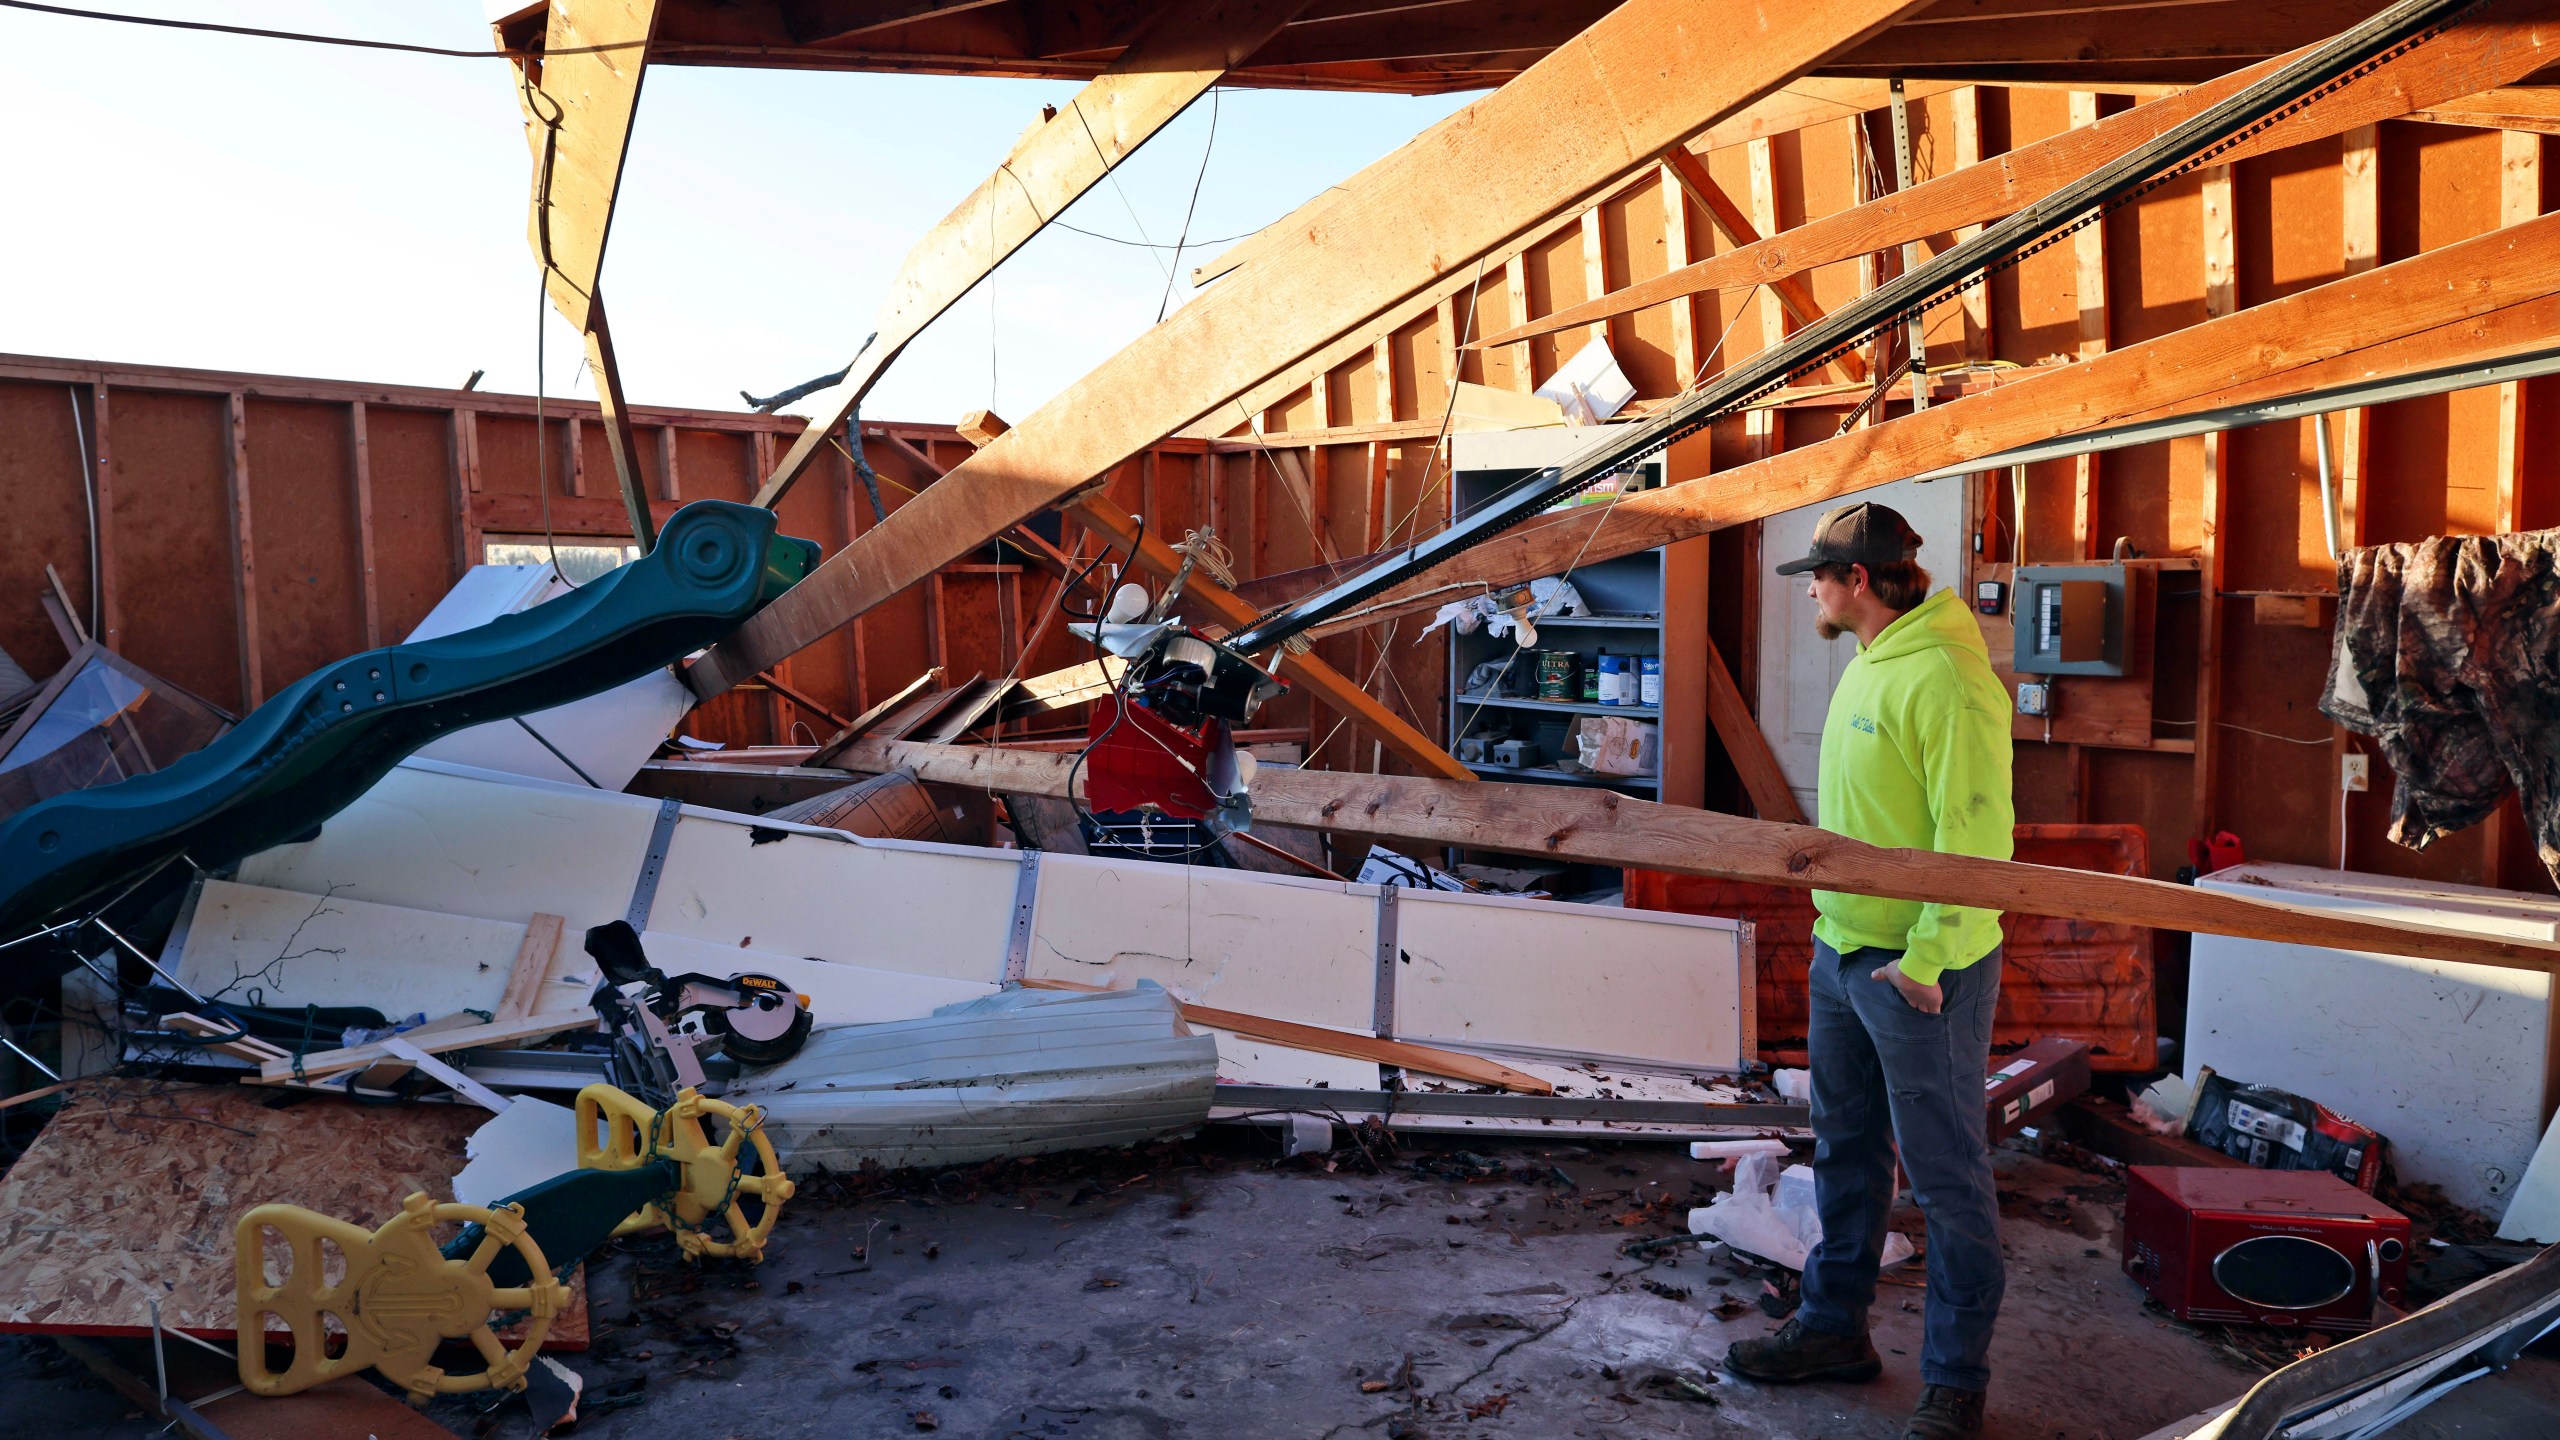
[2026, 1087]
[2073, 979]
[2221, 852]
[2277, 1247]
[1137, 758]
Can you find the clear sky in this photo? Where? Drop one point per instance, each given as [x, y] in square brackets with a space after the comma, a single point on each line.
[182, 198]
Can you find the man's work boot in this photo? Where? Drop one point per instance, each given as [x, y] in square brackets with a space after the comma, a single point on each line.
[1796, 1353]
[1945, 1413]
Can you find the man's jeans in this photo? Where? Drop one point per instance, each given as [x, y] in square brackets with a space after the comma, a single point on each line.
[1883, 1071]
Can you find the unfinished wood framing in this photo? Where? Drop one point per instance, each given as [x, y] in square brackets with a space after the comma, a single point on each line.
[1456, 192]
[2395, 319]
[2487, 52]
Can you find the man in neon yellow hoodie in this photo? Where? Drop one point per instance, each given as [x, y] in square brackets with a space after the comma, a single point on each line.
[1915, 755]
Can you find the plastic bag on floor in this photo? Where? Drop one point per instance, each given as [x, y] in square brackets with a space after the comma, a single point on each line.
[1774, 1221]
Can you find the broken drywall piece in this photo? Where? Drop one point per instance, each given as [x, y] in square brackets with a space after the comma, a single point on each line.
[602, 740]
[448, 838]
[523, 1145]
[2534, 1214]
[1590, 387]
[1016, 1073]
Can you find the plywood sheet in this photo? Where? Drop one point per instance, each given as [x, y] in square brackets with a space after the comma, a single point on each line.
[252, 945]
[1479, 971]
[1276, 946]
[129, 1195]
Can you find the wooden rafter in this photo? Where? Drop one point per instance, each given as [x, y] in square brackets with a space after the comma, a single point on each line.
[2091, 40]
[1649, 75]
[578, 105]
[2474, 300]
[2502, 44]
[1806, 103]
[1170, 66]
[1337, 690]
[1568, 823]
[1791, 290]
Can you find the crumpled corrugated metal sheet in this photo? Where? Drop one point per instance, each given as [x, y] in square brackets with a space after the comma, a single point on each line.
[1019, 1072]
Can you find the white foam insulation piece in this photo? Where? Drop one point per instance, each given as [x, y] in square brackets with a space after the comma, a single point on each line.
[608, 736]
[521, 1146]
[1272, 945]
[891, 930]
[1532, 975]
[251, 945]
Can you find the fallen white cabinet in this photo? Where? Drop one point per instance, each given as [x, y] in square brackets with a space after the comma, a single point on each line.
[2449, 1061]
[1018, 1073]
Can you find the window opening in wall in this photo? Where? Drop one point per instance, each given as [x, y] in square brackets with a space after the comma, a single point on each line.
[581, 561]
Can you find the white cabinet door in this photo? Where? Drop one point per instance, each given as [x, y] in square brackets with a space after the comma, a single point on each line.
[1799, 669]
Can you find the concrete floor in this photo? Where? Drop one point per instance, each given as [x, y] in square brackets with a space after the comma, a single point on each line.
[1220, 1294]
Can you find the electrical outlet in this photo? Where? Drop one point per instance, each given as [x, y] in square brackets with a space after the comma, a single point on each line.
[2034, 698]
[2356, 772]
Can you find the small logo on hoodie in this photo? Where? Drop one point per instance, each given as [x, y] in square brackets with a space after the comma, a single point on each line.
[1862, 722]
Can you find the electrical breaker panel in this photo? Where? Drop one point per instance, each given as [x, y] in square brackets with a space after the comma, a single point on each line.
[2070, 619]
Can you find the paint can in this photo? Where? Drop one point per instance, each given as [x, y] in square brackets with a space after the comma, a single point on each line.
[1555, 674]
[1614, 689]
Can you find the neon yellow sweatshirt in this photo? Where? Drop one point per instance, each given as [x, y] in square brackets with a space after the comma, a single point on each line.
[1915, 755]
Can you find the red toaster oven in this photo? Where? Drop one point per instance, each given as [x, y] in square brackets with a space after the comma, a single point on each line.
[2277, 1247]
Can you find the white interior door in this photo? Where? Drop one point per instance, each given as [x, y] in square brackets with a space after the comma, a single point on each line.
[1799, 669]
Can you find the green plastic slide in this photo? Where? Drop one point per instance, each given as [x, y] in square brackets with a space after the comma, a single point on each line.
[324, 740]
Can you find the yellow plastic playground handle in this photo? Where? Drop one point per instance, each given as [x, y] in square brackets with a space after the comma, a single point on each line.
[399, 1300]
[618, 1132]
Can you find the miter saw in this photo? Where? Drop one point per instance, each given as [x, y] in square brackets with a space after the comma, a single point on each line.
[663, 1025]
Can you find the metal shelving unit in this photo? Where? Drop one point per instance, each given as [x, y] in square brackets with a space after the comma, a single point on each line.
[1625, 593]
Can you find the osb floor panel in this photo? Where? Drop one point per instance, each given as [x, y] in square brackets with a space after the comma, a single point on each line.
[130, 1193]
[1222, 1296]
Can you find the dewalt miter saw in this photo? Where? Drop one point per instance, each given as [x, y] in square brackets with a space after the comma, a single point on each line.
[663, 1025]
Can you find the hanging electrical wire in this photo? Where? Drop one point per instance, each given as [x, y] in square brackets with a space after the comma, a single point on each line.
[1189, 210]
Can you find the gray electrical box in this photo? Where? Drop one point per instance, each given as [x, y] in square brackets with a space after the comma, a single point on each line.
[2070, 619]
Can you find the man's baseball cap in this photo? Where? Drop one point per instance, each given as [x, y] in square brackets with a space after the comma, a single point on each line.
[1862, 534]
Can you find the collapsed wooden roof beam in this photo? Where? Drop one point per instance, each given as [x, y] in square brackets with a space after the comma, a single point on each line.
[1202, 596]
[2496, 47]
[2481, 298]
[1793, 294]
[1337, 690]
[1646, 77]
[578, 98]
[1170, 65]
[1599, 827]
